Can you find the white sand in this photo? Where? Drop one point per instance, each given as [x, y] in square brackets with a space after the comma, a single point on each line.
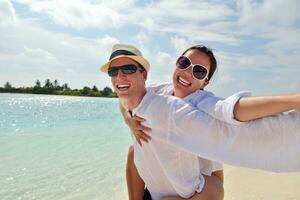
[249, 184]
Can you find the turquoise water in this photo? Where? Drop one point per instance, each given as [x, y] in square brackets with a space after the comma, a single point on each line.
[57, 147]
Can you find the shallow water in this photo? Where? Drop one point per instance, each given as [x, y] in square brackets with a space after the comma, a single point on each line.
[58, 147]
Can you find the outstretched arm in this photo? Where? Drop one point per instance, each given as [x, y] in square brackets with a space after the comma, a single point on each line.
[249, 108]
[241, 107]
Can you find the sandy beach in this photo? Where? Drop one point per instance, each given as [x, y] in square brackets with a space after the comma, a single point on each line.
[249, 184]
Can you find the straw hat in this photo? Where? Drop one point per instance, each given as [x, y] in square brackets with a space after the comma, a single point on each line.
[128, 51]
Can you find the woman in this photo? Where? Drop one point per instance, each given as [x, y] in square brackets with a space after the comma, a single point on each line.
[193, 71]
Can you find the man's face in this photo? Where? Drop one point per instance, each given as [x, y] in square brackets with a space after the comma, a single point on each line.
[127, 85]
[183, 80]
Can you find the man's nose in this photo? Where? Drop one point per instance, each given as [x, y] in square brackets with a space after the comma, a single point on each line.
[120, 74]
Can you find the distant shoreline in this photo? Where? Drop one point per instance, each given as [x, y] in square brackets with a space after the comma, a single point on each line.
[114, 97]
[53, 88]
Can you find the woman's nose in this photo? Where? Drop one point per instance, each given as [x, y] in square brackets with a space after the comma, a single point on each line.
[188, 72]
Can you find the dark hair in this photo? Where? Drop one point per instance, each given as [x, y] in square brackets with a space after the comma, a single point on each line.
[210, 54]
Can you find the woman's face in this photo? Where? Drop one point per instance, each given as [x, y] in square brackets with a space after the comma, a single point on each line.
[183, 80]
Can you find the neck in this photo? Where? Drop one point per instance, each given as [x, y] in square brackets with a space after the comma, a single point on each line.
[131, 102]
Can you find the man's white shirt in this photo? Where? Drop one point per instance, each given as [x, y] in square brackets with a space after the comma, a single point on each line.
[270, 143]
[168, 169]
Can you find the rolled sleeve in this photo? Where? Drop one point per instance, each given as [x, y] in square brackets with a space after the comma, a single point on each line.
[225, 108]
[217, 107]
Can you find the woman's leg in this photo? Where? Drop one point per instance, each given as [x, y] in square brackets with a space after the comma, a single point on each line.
[219, 174]
[213, 190]
[135, 183]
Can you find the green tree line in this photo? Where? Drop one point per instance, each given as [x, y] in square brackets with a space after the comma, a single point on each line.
[56, 89]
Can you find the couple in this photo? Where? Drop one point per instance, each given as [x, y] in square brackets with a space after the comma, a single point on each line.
[194, 131]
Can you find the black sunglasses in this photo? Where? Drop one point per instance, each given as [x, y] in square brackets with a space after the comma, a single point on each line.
[126, 69]
[199, 71]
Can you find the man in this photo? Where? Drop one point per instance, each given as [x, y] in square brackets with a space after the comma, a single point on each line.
[128, 71]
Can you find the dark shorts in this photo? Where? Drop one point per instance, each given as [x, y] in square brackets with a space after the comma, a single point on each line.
[147, 195]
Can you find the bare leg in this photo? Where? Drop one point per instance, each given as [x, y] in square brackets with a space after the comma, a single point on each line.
[135, 184]
[213, 190]
[219, 174]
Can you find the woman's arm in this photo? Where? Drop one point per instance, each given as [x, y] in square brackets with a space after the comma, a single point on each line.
[249, 108]
[241, 106]
[134, 123]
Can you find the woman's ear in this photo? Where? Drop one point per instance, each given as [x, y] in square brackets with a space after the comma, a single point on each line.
[206, 82]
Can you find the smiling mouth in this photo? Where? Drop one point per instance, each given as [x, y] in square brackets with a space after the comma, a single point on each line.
[123, 87]
[183, 82]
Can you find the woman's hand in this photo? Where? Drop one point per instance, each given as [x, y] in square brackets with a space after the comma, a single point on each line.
[138, 130]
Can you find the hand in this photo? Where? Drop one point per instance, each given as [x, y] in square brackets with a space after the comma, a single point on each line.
[138, 130]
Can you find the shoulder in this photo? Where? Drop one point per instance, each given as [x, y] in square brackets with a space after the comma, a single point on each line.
[165, 88]
[199, 95]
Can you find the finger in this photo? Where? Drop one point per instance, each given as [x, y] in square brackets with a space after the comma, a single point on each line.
[137, 118]
[143, 138]
[145, 128]
[143, 134]
[128, 114]
[139, 141]
[147, 136]
[140, 136]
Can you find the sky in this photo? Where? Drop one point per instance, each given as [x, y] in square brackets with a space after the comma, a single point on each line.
[256, 42]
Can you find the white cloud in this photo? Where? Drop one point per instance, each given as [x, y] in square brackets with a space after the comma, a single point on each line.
[28, 49]
[38, 53]
[107, 42]
[268, 13]
[141, 37]
[187, 19]
[7, 13]
[180, 43]
[161, 29]
[162, 64]
[77, 14]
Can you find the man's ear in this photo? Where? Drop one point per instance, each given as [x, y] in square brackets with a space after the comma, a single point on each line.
[145, 74]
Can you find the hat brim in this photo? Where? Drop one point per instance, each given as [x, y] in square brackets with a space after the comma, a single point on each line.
[140, 60]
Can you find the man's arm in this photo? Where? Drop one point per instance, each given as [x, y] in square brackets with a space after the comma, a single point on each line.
[271, 143]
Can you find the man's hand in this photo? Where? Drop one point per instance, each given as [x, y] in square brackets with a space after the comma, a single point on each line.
[138, 130]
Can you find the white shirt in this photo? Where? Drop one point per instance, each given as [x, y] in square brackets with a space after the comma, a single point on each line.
[271, 143]
[169, 170]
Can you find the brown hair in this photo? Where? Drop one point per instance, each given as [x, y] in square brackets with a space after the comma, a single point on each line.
[210, 54]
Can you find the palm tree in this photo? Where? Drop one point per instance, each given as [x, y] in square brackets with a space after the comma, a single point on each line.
[65, 86]
[95, 89]
[56, 85]
[37, 84]
[7, 85]
[48, 84]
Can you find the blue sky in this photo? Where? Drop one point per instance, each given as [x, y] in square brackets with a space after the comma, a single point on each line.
[256, 42]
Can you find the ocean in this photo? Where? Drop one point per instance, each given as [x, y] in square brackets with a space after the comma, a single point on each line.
[61, 147]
